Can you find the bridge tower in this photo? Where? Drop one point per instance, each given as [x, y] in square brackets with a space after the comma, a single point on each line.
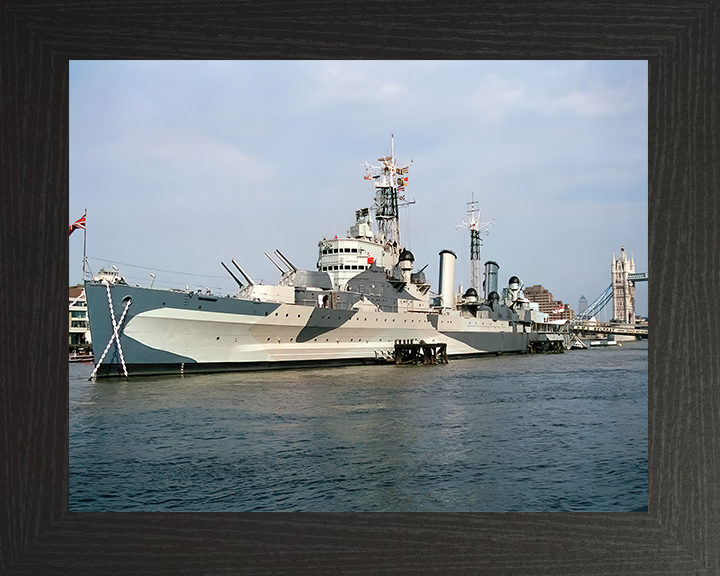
[623, 288]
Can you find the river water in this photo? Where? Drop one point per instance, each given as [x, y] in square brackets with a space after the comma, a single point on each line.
[529, 433]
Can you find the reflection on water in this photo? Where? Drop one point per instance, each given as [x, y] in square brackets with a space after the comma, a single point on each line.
[515, 433]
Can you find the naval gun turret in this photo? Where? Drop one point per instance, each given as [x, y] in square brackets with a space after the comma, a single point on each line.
[405, 263]
[513, 292]
[471, 296]
[514, 299]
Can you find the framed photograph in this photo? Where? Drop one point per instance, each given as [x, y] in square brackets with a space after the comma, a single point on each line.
[42, 533]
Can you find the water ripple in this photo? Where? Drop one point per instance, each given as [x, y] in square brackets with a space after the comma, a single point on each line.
[518, 433]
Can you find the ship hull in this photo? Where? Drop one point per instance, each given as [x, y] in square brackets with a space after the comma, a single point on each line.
[172, 332]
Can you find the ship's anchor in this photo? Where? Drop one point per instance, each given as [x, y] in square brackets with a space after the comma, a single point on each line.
[116, 335]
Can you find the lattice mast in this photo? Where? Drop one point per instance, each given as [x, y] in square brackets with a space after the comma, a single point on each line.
[390, 182]
[477, 229]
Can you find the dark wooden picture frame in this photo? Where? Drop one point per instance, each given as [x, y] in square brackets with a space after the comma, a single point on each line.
[680, 532]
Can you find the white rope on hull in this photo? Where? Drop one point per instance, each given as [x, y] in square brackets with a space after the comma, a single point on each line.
[116, 335]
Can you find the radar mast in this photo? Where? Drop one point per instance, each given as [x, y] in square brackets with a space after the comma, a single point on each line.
[476, 229]
[390, 182]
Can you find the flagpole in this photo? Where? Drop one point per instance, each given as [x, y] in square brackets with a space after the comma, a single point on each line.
[84, 245]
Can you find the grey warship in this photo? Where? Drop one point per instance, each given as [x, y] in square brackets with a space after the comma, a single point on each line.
[363, 296]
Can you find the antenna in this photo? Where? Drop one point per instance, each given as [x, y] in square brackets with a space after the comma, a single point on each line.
[476, 228]
[390, 181]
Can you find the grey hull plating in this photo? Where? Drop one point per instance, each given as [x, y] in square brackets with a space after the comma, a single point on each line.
[170, 332]
[146, 300]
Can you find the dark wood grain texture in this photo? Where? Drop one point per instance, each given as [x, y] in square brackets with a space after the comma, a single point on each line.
[681, 532]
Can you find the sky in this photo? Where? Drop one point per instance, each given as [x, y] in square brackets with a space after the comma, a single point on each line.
[182, 165]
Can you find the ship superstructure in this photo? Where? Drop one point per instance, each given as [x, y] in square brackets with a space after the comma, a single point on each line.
[364, 295]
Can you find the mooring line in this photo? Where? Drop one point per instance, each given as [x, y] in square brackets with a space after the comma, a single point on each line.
[116, 335]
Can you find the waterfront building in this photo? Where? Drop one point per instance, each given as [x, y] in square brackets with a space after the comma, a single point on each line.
[78, 319]
[555, 308]
[623, 289]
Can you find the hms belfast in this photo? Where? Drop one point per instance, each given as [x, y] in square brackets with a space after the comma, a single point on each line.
[363, 297]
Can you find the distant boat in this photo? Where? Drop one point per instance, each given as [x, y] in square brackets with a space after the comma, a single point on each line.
[604, 343]
[82, 357]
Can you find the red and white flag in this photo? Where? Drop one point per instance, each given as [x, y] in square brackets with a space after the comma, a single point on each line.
[558, 310]
[79, 223]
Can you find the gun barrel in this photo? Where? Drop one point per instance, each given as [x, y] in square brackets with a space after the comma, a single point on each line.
[276, 264]
[249, 280]
[240, 284]
[285, 260]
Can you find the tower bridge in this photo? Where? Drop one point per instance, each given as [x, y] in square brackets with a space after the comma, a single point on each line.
[622, 292]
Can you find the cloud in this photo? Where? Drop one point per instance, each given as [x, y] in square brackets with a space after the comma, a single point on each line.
[554, 90]
[357, 83]
[597, 101]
